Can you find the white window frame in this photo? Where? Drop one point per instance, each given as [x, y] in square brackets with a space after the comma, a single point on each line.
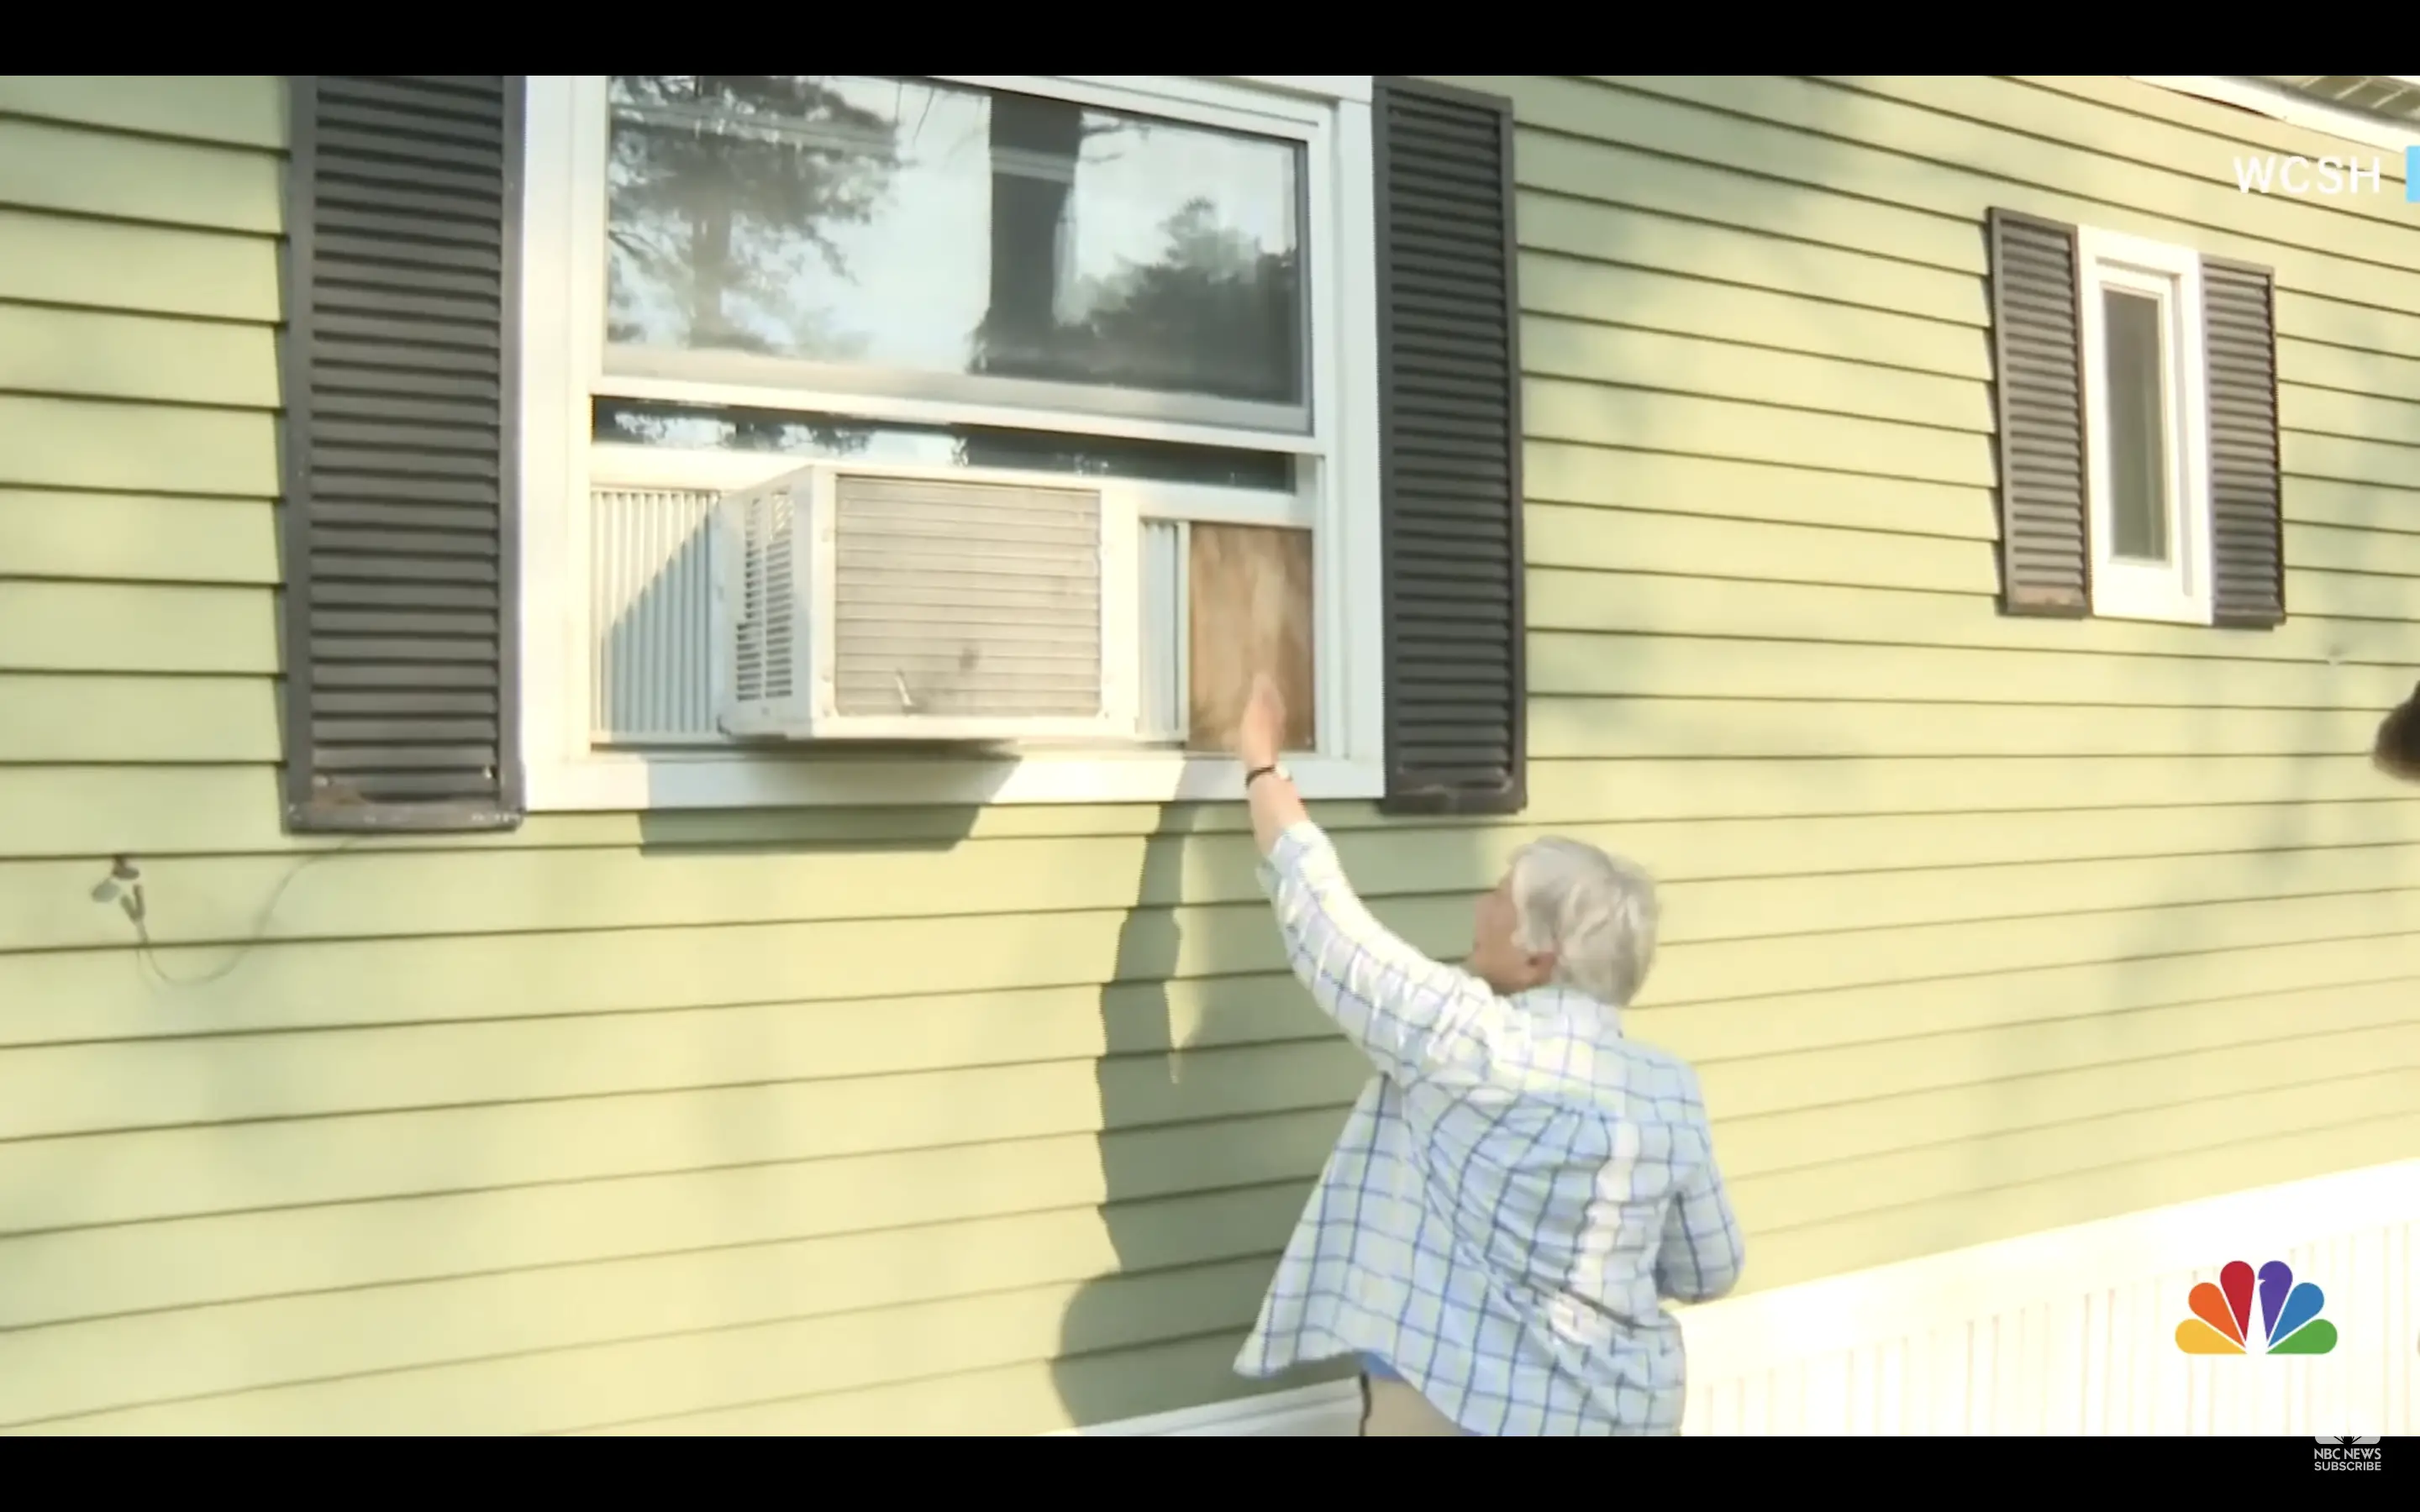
[562, 367]
[2178, 591]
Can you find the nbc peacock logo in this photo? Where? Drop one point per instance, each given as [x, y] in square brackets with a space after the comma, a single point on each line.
[2222, 1320]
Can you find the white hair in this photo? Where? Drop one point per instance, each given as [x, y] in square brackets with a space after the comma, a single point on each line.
[1597, 914]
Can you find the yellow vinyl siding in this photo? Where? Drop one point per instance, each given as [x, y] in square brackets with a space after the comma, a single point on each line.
[991, 1120]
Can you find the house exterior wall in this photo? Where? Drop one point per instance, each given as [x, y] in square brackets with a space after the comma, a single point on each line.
[993, 1120]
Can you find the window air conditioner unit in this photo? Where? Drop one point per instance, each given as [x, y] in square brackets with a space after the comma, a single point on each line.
[869, 603]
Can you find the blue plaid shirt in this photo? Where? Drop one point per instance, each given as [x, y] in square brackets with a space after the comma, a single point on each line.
[1513, 1197]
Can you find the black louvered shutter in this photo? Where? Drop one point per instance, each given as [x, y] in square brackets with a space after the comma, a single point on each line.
[398, 362]
[1450, 410]
[2037, 367]
[2247, 524]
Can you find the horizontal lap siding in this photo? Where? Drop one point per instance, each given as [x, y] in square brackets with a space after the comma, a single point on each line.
[883, 1122]
[1762, 511]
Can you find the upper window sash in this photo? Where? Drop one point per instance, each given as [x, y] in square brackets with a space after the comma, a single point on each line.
[738, 379]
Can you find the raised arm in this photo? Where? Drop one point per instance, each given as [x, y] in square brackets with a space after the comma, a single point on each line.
[1415, 1018]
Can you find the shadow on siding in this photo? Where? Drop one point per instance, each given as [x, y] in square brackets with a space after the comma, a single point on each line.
[1210, 1135]
[2166, 932]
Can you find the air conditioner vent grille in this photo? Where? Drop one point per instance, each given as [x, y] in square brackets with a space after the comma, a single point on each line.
[763, 660]
[965, 600]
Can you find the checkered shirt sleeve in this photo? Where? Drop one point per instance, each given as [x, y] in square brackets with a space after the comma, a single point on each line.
[1417, 1020]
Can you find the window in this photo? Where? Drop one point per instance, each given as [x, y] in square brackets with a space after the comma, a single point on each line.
[2136, 397]
[1155, 284]
[540, 327]
[2146, 392]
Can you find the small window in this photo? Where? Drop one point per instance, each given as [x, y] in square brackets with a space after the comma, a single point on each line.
[2146, 393]
[2134, 391]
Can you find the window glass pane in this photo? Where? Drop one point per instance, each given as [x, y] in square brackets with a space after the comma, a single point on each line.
[2138, 442]
[899, 225]
[840, 438]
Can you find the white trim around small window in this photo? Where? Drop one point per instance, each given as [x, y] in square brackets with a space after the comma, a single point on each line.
[2146, 399]
[604, 522]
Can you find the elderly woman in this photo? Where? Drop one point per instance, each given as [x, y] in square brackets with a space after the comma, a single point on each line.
[1520, 1188]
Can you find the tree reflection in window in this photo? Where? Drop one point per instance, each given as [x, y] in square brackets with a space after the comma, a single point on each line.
[702, 212]
[745, 212]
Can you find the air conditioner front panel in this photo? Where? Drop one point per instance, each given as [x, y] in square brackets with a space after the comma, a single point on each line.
[965, 601]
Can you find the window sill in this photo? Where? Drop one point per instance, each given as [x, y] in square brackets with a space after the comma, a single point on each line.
[619, 782]
[2152, 612]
